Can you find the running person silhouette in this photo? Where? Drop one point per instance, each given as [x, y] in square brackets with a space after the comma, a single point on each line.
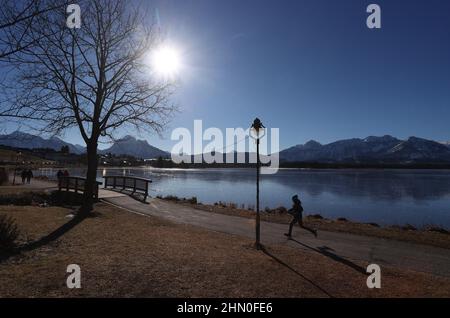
[297, 212]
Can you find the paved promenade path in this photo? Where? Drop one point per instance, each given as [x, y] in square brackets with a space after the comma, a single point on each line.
[340, 247]
[35, 184]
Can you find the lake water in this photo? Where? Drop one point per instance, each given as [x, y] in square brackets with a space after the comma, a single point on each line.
[417, 197]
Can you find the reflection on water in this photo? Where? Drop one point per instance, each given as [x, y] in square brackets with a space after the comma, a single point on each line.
[392, 196]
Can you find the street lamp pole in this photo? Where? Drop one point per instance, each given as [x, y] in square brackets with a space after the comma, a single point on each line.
[258, 127]
[258, 223]
[15, 168]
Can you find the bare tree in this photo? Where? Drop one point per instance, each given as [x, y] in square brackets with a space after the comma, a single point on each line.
[94, 78]
[16, 19]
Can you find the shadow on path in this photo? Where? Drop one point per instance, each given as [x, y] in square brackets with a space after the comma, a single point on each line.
[309, 229]
[295, 271]
[326, 251]
[44, 240]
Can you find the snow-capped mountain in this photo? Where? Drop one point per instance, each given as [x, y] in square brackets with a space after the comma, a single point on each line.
[370, 149]
[446, 143]
[19, 139]
[131, 146]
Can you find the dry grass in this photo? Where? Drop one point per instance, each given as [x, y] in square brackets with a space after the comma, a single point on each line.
[16, 189]
[128, 255]
[396, 233]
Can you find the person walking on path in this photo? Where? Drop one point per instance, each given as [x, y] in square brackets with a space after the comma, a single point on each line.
[297, 213]
[29, 174]
[23, 174]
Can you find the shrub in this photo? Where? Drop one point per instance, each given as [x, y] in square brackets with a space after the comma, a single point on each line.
[281, 210]
[221, 204]
[432, 228]
[3, 176]
[171, 198]
[60, 198]
[315, 216]
[193, 200]
[31, 198]
[342, 219]
[9, 232]
[25, 198]
[409, 227]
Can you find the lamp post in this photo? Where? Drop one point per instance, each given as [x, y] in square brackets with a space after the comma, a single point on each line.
[15, 168]
[258, 129]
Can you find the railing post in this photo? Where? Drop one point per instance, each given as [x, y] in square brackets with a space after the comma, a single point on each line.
[76, 185]
[134, 185]
[67, 183]
[96, 191]
[146, 190]
[124, 183]
[106, 182]
[114, 182]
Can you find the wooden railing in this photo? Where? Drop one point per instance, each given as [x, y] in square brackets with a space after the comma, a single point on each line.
[133, 184]
[77, 184]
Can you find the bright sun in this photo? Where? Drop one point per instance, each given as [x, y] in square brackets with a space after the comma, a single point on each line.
[166, 61]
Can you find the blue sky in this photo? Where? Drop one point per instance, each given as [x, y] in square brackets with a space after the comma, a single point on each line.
[310, 67]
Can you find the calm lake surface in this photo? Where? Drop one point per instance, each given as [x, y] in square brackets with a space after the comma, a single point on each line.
[417, 197]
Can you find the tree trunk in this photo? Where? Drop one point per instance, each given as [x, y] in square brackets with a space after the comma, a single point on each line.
[91, 178]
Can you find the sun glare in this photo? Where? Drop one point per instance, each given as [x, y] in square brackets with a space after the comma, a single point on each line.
[166, 61]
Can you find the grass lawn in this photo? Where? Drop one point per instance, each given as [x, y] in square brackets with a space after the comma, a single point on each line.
[127, 255]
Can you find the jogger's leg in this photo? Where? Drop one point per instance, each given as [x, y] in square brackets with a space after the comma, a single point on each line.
[291, 225]
[290, 228]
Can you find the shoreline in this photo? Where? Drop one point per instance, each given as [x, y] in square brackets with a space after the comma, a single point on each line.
[434, 235]
[376, 168]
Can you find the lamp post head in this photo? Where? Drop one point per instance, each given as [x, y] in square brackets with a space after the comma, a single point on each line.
[257, 124]
[258, 128]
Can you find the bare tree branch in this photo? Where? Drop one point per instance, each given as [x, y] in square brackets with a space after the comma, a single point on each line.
[16, 18]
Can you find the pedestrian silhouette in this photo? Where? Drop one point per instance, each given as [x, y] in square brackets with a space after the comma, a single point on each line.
[29, 175]
[297, 212]
[23, 174]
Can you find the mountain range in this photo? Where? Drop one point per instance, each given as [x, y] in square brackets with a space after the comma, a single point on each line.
[127, 145]
[131, 146]
[19, 139]
[385, 149]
